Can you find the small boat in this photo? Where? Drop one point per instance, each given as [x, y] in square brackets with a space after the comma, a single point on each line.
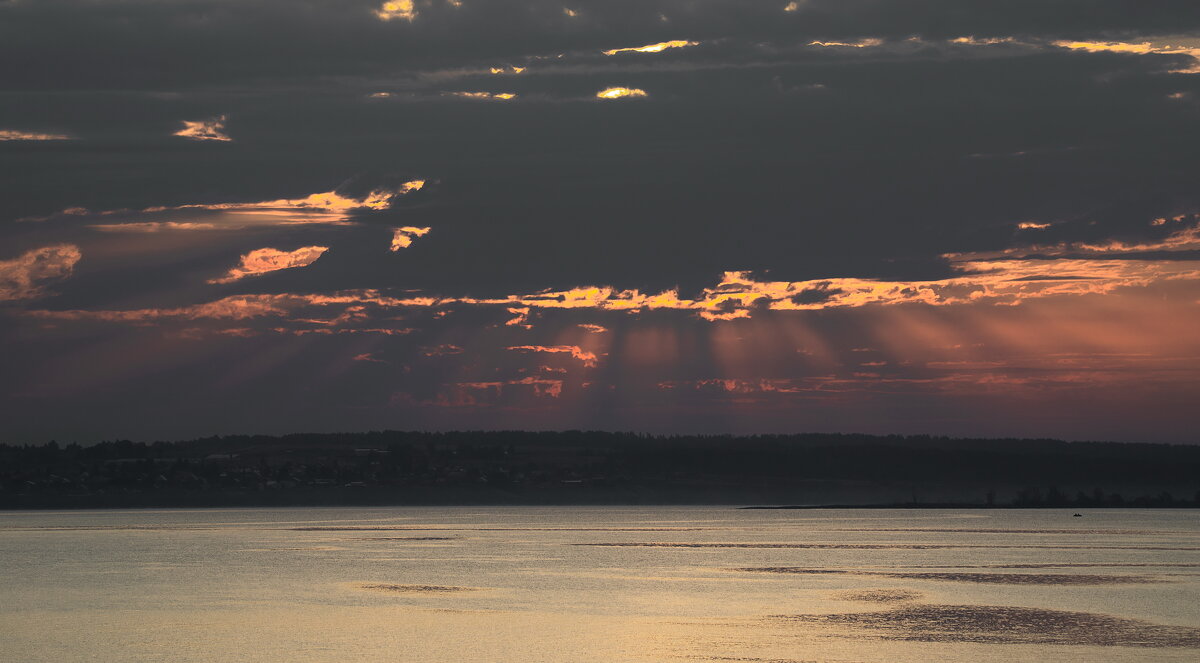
[1078, 515]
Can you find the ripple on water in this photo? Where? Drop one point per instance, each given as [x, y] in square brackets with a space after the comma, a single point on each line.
[1006, 625]
[443, 528]
[985, 578]
[390, 588]
[404, 538]
[747, 659]
[879, 595]
[882, 546]
[996, 530]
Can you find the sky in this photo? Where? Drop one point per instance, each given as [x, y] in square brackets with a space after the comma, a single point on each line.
[952, 217]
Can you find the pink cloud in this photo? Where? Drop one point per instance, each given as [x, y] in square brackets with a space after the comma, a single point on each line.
[588, 358]
[26, 276]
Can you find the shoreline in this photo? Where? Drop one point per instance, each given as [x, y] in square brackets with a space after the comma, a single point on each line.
[128, 502]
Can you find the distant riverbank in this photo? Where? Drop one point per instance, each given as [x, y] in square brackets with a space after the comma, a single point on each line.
[396, 468]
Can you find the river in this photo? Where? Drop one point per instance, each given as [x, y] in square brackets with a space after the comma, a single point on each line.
[562, 584]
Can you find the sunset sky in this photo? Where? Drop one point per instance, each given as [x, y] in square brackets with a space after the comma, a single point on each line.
[959, 217]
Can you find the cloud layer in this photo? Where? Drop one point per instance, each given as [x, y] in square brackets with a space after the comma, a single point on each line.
[974, 217]
[28, 275]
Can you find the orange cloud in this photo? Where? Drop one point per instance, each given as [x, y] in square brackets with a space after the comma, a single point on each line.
[861, 43]
[737, 296]
[328, 201]
[151, 226]
[521, 317]
[483, 394]
[262, 261]
[1006, 277]
[588, 358]
[1142, 48]
[1003, 281]
[620, 92]
[383, 331]
[654, 48]
[325, 208]
[595, 329]
[244, 307]
[986, 41]
[210, 129]
[741, 386]
[355, 313]
[397, 9]
[13, 134]
[402, 238]
[441, 350]
[1183, 239]
[542, 386]
[26, 276]
[500, 96]
[238, 307]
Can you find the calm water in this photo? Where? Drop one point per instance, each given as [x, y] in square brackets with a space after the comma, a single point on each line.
[599, 584]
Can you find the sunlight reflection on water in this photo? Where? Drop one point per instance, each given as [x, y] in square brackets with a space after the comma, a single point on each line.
[599, 584]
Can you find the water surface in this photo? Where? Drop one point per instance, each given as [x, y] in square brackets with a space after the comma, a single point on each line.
[606, 584]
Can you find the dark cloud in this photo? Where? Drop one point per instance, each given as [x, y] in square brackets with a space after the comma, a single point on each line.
[54, 44]
[925, 160]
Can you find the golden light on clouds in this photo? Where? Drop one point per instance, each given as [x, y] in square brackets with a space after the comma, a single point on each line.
[620, 93]
[972, 40]
[541, 386]
[210, 129]
[236, 307]
[444, 350]
[151, 226]
[377, 199]
[397, 9]
[654, 48]
[1163, 47]
[26, 276]
[588, 358]
[490, 393]
[737, 296]
[403, 237]
[324, 208]
[266, 260]
[501, 96]
[14, 135]
[520, 317]
[1004, 278]
[565, 243]
[861, 43]
[1186, 238]
[1111, 46]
